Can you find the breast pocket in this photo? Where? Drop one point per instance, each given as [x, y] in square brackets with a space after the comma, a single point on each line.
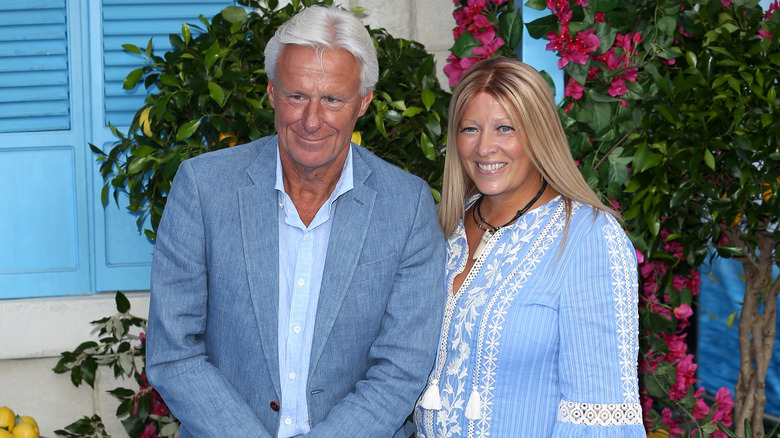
[376, 270]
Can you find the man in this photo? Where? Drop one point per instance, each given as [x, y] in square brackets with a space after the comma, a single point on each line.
[297, 282]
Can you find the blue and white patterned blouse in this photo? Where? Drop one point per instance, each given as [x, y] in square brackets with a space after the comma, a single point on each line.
[539, 342]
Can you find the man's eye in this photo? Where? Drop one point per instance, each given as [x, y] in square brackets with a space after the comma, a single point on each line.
[296, 97]
[331, 99]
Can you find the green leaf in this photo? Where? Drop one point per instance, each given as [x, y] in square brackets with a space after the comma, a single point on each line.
[412, 111]
[122, 303]
[510, 27]
[709, 159]
[667, 25]
[234, 14]
[730, 250]
[217, 93]
[731, 318]
[464, 45]
[187, 129]
[137, 165]
[427, 146]
[186, 33]
[536, 4]
[428, 99]
[132, 79]
[131, 48]
[539, 27]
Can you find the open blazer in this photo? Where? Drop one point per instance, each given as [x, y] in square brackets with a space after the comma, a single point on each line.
[212, 349]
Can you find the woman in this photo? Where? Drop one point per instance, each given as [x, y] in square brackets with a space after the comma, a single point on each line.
[540, 327]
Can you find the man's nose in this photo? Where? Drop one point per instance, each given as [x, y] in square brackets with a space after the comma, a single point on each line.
[312, 116]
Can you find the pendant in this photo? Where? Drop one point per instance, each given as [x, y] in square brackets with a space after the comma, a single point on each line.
[482, 241]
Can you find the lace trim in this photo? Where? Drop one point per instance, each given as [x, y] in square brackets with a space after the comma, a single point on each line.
[600, 414]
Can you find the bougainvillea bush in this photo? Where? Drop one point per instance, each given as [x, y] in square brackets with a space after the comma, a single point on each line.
[670, 112]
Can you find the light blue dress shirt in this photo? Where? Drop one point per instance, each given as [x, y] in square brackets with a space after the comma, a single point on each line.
[302, 252]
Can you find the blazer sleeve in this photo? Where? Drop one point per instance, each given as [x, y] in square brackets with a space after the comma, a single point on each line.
[598, 325]
[402, 354]
[176, 357]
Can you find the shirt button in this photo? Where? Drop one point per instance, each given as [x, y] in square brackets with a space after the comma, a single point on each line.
[275, 406]
[305, 235]
[297, 329]
[300, 281]
[291, 375]
[288, 421]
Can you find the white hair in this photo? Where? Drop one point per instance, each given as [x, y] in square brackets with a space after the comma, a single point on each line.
[323, 28]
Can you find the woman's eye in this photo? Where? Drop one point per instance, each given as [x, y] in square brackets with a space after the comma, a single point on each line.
[505, 128]
[469, 129]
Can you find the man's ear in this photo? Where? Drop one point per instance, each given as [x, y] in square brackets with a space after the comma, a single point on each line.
[365, 101]
[270, 90]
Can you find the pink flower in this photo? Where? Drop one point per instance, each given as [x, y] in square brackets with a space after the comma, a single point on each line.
[585, 42]
[640, 258]
[725, 3]
[764, 34]
[573, 89]
[617, 88]
[677, 347]
[480, 22]
[630, 74]
[683, 311]
[150, 431]
[490, 43]
[582, 3]
[771, 10]
[686, 376]
[671, 424]
[679, 283]
[701, 409]
[499, 2]
[724, 404]
[453, 70]
[598, 17]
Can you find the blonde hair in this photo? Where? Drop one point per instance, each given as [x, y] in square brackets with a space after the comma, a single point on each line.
[526, 97]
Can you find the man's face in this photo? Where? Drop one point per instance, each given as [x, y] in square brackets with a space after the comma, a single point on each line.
[316, 106]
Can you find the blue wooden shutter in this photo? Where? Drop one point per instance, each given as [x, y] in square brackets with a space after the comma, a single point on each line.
[33, 66]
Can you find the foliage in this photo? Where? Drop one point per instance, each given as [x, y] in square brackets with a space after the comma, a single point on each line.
[120, 349]
[669, 110]
[211, 94]
[484, 29]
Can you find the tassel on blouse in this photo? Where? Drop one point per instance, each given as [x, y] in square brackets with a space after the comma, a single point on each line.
[431, 399]
[474, 405]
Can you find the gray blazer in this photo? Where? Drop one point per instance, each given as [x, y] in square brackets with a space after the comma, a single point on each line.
[212, 335]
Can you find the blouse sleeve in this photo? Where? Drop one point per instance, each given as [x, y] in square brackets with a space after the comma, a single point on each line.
[598, 325]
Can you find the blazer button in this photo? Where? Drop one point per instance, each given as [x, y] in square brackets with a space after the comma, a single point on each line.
[275, 406]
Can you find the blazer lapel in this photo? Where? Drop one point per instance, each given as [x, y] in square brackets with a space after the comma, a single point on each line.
[348, 232]
[260, 231]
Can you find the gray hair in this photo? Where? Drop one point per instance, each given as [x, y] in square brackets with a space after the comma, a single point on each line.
[323, 28]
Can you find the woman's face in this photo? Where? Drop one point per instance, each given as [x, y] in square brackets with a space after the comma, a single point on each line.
[491, 154]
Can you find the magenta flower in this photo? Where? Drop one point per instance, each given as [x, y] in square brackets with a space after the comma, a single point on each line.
[617, 87]
[701, 409]
[598, 17]
[725, 3]
[683, 311]
[573, 89]
[764, 34]
[671, 424]
[724, 404]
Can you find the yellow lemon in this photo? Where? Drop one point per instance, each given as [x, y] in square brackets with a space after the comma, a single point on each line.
[30, 420]
[660, 433]
[144, 121]
[5, 434]
[7, 418]
[25, 430]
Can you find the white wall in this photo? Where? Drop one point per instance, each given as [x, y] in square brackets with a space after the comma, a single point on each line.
[33, 332]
